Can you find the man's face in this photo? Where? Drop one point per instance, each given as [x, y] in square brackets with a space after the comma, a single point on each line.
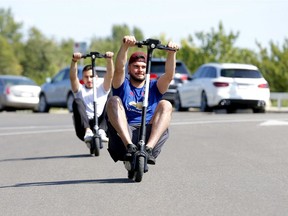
[87, 78]
[137, 71]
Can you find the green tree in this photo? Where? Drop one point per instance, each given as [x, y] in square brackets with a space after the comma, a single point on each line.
[41, 56]
[11, 47]
[8, 62]
[274, 65]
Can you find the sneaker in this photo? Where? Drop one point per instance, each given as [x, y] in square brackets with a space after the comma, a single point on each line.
[151, 159]
[131, 149]
[88, 137]
[103, 135]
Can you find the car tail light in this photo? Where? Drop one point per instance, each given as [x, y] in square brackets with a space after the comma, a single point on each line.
[7, 90]
[153, 76]
[220, 84]
[264, 85]
[184, 77]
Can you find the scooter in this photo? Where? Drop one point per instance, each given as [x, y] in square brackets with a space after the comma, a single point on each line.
[138, 164]
[96, 144]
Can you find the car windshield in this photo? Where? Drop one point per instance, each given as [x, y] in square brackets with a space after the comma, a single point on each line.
[18, 82]
[159, 68]
[240, 73]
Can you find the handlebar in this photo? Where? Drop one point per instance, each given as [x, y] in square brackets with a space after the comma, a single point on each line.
[93, 55]
[154, 44]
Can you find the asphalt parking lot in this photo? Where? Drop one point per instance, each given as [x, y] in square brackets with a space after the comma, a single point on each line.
[212, 164]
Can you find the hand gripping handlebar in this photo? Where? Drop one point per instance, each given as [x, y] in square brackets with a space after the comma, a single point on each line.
[154, 44]
[93, 55]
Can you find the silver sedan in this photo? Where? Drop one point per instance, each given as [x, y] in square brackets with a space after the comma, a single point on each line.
[18, 92]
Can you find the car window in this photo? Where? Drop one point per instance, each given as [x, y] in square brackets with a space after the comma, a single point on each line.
[241, 73]
[100, 73]
[66, 74]
[199, 72]
[210, 72]
[158, 67]
[18, 81]
[59, 77]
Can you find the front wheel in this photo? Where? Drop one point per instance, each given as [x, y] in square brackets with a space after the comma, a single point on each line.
[177, 103]
[259, 110]
[139, 169]
[43, 106]
[70, 99]
[95, 147]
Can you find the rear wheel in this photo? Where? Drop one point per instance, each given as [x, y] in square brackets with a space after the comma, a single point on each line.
[43, 106]
[204, 103]
[177, 103]
[259, 110]
[70, 99]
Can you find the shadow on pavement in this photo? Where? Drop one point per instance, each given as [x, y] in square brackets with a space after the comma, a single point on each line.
[46, 157]
[71, 182]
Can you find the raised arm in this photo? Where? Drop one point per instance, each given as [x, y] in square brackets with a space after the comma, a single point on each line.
[110, 71]
[170, 65]
[121, 60]
[73, 72]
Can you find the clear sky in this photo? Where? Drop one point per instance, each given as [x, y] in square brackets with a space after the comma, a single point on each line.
[261, 20]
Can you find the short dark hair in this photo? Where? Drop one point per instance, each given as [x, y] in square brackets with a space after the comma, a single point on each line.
[86, 68]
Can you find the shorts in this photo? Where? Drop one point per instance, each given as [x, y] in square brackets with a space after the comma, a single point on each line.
[117, 149]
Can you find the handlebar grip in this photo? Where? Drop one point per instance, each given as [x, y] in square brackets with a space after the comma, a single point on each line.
[139, 43]
[165, 47]
[82, 56]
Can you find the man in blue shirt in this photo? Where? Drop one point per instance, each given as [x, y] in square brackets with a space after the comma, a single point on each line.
[125, 107]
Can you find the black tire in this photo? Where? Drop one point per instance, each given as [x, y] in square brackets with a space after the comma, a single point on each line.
[231, 110]
[97, 144]
[91, 151]
[131, 174]
[43, 106]
[178, 105]
[139, 169]
[70, 99]
[260, 110]
[204, 103]
[2, 108]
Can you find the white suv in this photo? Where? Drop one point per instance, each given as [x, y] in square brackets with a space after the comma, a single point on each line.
[225, 85]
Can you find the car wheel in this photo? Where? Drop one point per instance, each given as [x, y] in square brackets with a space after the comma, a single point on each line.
[260, 110]
[231, 110]
[177, 104]
[70, 100]
[43, 106]
[1, 107]
[204, 103]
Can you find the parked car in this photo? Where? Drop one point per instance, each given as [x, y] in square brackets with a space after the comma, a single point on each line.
[225, 85]
[182, 75]
[18, 92]
[57, 92]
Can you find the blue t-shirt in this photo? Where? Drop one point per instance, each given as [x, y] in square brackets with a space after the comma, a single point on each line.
[132, 99]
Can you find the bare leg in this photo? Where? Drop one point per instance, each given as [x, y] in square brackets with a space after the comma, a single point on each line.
[160, 122]
[117, 117]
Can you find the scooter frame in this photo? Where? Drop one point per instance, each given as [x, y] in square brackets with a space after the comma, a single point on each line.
[96, 144]
[138, 164]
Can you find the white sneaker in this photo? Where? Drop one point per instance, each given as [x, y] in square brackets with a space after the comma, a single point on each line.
[103, 135]
[88, 137]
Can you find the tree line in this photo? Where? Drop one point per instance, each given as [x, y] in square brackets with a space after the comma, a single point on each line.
[39, 57]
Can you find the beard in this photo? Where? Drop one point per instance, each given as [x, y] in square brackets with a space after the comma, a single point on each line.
[137, 79]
